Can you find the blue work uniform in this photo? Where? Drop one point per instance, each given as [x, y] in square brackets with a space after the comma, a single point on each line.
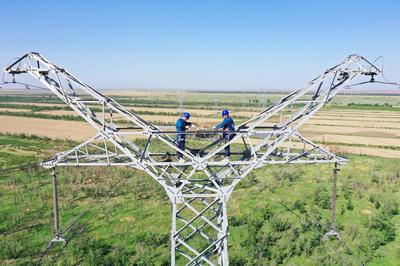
[181, 127]
[227, 124]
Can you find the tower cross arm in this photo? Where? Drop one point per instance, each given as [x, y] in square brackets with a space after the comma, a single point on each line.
[102, 112]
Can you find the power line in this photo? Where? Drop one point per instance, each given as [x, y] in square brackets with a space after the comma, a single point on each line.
[80, 228]
[111, 146]
[309, 221]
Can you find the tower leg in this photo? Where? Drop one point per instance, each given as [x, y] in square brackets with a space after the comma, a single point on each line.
[223, 258]
[173, 231]
[199, 232]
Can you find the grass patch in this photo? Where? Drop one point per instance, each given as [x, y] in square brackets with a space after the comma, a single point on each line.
[373, 107]
[134, 225]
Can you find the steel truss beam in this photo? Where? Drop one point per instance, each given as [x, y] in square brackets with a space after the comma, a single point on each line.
[200, 187]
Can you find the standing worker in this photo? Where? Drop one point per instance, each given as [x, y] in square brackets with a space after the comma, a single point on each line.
[227, 124]
[181, 126]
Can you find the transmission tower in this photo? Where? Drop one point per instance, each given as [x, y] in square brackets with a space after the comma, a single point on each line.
[180, 109]
[216, 108]
[200, 187]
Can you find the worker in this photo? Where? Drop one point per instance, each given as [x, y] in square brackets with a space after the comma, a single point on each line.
[227, 125]
[181, 125]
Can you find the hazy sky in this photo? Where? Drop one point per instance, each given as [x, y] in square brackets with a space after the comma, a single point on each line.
[201, 44]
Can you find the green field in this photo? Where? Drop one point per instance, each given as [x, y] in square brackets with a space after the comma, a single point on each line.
[132, 227]
[277, 214]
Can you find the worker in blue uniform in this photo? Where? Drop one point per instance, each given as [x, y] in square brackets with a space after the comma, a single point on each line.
[228, 125]
[181, 125]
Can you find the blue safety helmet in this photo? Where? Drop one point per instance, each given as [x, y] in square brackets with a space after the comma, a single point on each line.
[225, 112]
[187, 115]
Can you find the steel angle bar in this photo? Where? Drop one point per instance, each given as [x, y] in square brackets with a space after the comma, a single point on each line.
[218, 149]
[50, 162]
[234, 171]
[187, 154]
[164, 170]
[202, 216]
[97, 147]
[286, 101]
[298, 162]
[253, 152]
[83, 86]
[202, 200]
[206, 187]
[190, 201]
[301, 155]
[197, 229]
[183, 254]
[213, 178]
[319, 147]
[187, 189]
[295, 128]
[131, 146]
[145, 148]
[198, 214]
[198, 255]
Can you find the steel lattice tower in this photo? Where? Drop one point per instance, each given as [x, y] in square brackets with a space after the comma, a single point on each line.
[200, 187]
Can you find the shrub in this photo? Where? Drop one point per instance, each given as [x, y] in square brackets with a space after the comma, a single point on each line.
[349, 205]
[390, 207]
[375, 179]
[321, 197]
[281, 225]
[237, 259]
[267, 213]
[347, 190]
[300, 205]
[372, 198]
[342, 209]
[287, 173]
[249, 181]
[237, 220]
[382, 224]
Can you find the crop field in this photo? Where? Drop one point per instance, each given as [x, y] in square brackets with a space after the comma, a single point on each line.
[359, 124]
[129, 224]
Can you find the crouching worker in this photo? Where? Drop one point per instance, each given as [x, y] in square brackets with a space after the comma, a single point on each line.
[227, 125]
[181, 125]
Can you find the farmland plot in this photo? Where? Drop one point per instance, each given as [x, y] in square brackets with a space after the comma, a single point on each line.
[374, 132]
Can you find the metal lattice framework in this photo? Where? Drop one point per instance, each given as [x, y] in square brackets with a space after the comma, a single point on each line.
[200, 187]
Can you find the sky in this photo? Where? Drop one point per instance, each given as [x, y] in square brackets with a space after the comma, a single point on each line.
[241, 45]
